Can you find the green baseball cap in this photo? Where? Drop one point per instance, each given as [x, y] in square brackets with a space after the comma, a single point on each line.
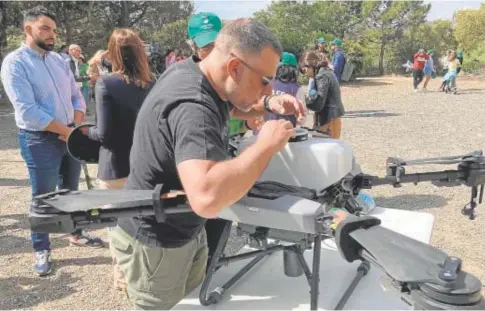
[288, 59]
[203, 28]
[430, 51]
[321, 40]
[336, 42]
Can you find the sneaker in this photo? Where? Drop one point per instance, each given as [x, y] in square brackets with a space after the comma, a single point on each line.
[416, 90]
[43, 264]
[85, 240]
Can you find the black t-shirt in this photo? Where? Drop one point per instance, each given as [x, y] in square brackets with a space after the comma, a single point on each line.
[182, 118]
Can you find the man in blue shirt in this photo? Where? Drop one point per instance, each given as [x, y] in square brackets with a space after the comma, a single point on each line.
[48, 104]
[338, 58]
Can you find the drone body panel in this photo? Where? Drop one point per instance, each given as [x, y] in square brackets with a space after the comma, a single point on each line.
[315, 163]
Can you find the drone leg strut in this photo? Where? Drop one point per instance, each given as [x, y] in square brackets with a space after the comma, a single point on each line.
[221, 245]
[362, 270]
[315, 281]
[219, 260]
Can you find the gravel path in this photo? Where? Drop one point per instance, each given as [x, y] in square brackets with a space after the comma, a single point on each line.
[384, 118]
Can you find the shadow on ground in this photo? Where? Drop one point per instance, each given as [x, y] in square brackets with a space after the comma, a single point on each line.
[10, 182]
[369, 114]
[413, 202]
[26, 292]
[471, 91]
[365, 82]
[9, 131]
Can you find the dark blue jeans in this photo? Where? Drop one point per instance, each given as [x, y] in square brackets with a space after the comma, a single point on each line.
[49, 165]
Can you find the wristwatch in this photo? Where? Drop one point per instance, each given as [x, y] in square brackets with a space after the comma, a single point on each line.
[266, 103]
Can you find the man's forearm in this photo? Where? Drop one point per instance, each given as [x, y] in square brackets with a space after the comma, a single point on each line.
[227, 182]
[78, 117]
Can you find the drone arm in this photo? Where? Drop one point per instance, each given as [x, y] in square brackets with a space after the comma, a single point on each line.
[423, 275]
[444, 176]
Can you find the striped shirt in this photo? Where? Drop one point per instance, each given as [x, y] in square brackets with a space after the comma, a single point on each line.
[40, 88]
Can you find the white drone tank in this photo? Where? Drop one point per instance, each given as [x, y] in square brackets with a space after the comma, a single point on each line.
[312, 162]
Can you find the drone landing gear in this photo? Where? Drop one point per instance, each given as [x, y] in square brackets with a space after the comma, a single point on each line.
[294, 265]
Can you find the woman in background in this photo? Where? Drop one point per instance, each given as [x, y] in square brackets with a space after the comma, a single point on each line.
[324, 98]
[119, 96]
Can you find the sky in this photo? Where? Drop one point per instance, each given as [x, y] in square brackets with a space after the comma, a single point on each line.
[242, 8]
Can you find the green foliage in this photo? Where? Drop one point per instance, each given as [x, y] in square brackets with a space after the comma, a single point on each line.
[470, 28]
[474, 62]
[172, 34]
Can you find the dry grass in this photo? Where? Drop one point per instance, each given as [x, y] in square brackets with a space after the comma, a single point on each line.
[384, 118]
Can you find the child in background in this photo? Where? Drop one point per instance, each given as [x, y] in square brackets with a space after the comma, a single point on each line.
[284, 83]
[449, 80]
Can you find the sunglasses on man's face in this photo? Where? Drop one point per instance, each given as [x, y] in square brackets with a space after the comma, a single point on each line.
[265, 79]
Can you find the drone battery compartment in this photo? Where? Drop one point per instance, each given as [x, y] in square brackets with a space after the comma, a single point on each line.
[271, 190]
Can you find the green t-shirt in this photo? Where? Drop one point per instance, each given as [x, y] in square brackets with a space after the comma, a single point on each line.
[83, 72]
[235, 126]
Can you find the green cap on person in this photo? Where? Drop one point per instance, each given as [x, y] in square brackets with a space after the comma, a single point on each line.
[203, 28]
[336, 42]
[459, 54]
[321, 40]
[288, 59]
[430, 51]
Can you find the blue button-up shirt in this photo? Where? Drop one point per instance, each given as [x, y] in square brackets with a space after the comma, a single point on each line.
[40, 88]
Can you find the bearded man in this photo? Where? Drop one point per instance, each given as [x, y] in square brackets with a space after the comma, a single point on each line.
[48, 104]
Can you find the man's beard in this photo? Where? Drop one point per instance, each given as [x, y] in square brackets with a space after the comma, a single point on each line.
[45, 46]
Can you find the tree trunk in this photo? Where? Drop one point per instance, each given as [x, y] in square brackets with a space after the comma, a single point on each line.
[381, 57]
[125, 14]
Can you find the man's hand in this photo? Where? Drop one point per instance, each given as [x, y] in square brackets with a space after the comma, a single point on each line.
[288, 105]
[275, 134]
[255, 123]
[84, 130]
[66, 134]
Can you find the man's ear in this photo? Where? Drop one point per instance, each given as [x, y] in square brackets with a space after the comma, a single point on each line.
[234, 69]
[28, 29]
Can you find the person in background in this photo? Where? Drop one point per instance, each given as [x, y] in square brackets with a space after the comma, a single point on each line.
[48, 104]
[64, 51]
[429, 69]
[419, 60]
[338, 59]
[286, 82]
[119, 96]
[83, 73]
[322, 47]
[450, 78]
[74, 63]
[459, 56]
[325, 98]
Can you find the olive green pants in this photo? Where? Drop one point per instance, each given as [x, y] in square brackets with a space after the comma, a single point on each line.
[158, 278]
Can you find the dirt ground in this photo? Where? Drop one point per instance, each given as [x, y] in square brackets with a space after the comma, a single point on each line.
[384, 118]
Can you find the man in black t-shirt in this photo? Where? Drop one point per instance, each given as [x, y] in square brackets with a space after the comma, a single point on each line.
[181, 140]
